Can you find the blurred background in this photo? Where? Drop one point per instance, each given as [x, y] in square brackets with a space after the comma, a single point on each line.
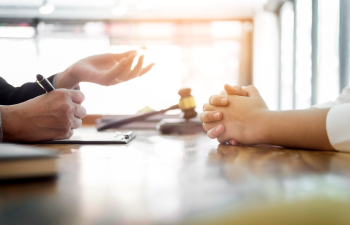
[295, 52]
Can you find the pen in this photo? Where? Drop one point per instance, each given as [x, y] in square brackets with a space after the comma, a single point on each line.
[44, 83]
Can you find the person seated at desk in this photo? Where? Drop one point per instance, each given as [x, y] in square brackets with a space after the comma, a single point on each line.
[28, 115]
[240, 115]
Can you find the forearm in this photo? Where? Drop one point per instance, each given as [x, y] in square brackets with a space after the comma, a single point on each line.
[9, 119]
[66, 80]
[10, 95]
[297, 129]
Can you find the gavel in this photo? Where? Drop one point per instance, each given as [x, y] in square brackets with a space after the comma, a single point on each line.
[186, 104]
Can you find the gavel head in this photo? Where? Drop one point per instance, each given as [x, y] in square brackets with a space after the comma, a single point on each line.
[187, 104]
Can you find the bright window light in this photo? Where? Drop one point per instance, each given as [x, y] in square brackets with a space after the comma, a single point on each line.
[16, 32]
[303, 54]
[328, 66]
[145, 4]
[46, 8]
[226, 29]
[120, 10]
[287, 32]
[186, 55]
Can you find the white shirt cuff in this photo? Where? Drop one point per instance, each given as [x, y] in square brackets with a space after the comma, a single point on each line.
[338, 127]
[325, 105]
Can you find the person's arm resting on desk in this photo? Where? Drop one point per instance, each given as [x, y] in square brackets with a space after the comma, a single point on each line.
[243, 117]
[46, 117]
[28, 115]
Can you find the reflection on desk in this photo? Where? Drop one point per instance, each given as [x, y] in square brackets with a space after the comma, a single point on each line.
[183, 180]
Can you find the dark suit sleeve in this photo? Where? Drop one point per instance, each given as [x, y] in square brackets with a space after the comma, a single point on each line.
[10, 95]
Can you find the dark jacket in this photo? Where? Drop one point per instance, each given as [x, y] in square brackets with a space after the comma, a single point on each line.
[10, 95]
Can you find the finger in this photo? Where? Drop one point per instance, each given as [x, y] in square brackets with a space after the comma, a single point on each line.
[79, 111]
[207, 117]
[216, 131]
[236, 90]
[76, 123]
[252, 91]
[222, 139]
[76, 96]
[233, 142]
[123, 55]
[112, 74]
[208, 107]
[127, 67]
[147, 68]
[63, 134]
[241, 90]
[137, 69]
[218, 100]
[210, 125]
[223, 92]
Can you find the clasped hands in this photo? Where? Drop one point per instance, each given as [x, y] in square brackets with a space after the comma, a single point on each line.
[237, 115]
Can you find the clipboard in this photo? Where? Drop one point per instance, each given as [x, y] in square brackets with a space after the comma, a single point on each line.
[96, 138]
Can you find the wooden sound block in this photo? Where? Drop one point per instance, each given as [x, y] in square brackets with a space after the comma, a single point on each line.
[180, 126]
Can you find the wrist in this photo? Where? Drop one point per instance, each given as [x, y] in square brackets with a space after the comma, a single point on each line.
[10, 118]
[66, 79]
[265, 126]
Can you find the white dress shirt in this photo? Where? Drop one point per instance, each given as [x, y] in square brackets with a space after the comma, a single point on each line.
[338, 121]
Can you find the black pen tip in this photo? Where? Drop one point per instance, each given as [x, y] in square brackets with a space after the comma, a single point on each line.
[39, 77]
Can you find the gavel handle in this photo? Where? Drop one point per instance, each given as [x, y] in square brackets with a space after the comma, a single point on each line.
[121, 121]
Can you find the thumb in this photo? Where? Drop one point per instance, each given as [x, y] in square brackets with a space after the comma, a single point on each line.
[236, 90]
[252, 91]
[231, 90]
[223, 92]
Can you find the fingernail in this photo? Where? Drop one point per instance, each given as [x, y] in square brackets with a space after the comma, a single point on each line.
[224, 101]
[217, 116]
[219, 129]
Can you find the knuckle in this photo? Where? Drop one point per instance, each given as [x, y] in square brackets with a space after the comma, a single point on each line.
[66, 123]
[208, 117]
[204, 117]
[62, 94]
[211, 99]
[210, 135]
[77, 123]
[84, 113]
[66, 109]
[205, 127]
[82, 95]
[69, 133]
[201, 116]
[214, 100]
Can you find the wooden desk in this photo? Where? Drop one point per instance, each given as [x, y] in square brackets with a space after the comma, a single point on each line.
[183, 180]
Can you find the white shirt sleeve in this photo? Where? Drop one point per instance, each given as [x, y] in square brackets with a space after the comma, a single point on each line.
[338, 122]
[338, 127]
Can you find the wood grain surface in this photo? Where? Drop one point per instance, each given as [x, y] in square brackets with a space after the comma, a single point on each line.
[189, 179]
